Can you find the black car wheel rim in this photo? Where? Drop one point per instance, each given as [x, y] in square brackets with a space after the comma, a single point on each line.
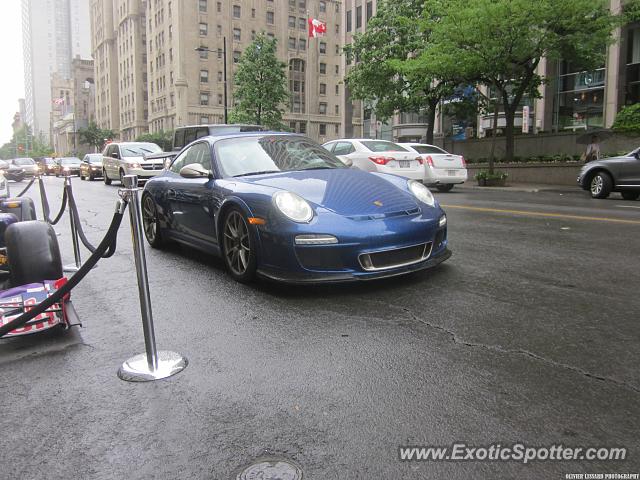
[596, 185]
[236, 243]
[149, 219]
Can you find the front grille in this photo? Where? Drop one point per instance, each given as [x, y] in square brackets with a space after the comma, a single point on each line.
[320, 258]
[152, 166]
[395, 258]
[380, 216]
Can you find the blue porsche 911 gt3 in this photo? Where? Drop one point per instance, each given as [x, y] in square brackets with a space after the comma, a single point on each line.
[280, 206]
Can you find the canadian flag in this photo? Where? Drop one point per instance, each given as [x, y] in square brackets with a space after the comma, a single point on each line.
[58, 101]
[317, 28]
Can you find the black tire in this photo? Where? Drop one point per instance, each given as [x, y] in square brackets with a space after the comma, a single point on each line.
[444, 187]
[630, 194]
[600, 185]
[24, 211]
[121, 176]
[239, 250]
[105, 177]
[81, 177]
[33, 253]
[150, 223]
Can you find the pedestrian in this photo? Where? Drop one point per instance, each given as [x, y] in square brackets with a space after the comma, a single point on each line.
[593, 150]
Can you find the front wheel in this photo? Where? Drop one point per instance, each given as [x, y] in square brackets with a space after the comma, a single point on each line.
[601, 185]
[105, 177]
[122, 176]
[239, 247]
[444, 187]
[150, 222]
[630, 194]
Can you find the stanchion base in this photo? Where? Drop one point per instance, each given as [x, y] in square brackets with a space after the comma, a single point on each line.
[136, 369]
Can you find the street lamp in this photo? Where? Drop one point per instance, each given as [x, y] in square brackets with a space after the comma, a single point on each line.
[224, 59]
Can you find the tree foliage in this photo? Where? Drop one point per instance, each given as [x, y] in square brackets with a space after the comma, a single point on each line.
[500, 43]
[390, 73]
[628, 120]
[260, 85]
[162, 138]
[94, 136]
[24, 144]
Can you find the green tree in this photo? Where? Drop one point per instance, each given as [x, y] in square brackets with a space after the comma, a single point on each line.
[390, 74]
[628, 120]
[162, 138]
[95, 136]
[500, 43]
[23, 143]
[261, 85]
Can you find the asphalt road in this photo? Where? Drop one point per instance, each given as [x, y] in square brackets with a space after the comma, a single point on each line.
[529, 333]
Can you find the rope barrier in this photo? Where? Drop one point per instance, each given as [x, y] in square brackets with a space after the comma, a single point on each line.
[27, 187]
[74, 211]
[104, 246]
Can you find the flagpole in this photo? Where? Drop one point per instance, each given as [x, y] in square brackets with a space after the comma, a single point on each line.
[307, 78]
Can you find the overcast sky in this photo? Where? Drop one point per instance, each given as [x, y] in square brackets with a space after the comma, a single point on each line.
[12, 74]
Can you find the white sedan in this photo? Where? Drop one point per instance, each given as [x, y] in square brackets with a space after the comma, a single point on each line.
[441, 169]
[378, 156]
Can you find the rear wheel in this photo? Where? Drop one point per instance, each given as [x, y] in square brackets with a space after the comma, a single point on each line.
[33, 253]
[239, 247]
[150, 222]
[105, 177]
[122, 176]
[601, 185]
[444, 187]
[630, 194]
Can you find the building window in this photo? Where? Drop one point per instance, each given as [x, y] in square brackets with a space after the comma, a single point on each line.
[292, 3]
[323, 68]
[323, 6]
[302, 44]
[323, 89]
[292, 43]
[336, 129]
[204, 54]
[302, 4]
[302, 23]
[348, 20]
[358, 16]
[204, 99]
[337, 69]
[337, 109]
[323, 47]
[219, 7]
[236, 11]
[219, 99]
[292, 22]
[337, 49]
[322, 108]
[236, 34]
[270, 18]
[236, 56]
[369, 11]
[220, 76]
[337, 90]
[323, 129]
[253, 13]
[204, 76]
[204, 29]
[202, 6]
[204, 119]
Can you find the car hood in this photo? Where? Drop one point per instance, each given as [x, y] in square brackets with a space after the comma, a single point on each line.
[344, 191]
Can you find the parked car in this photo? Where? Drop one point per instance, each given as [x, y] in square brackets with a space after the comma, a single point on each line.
[378, 156]
[129, 158]
[11, 171]
[67, 166]
[91, 166]
[46, 165]
[280, 206]
[185, 135]
[614, 174]
[28, 165]
[441, 169]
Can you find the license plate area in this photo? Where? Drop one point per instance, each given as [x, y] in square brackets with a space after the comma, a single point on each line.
[404, 163]
[452, 173]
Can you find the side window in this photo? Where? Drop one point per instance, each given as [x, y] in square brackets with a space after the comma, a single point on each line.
[179, 161]
[189, 135]
[178, 140]
[198, 153]
[204, 155]
[202, 132]
[343, 148]
[330, 147]
[116, 149]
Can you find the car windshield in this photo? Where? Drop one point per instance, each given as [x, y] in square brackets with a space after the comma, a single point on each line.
[277, 153]
[383, 146]
[96, 159]
[427, 149]
[69, 161]
[139, 150]
[633, 153]
[24, 161]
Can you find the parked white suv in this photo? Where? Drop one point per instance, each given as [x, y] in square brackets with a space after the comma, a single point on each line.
[378, 156]
[128, 158]
[441, 169]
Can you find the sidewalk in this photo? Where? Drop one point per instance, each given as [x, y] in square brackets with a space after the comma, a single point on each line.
[523, 187]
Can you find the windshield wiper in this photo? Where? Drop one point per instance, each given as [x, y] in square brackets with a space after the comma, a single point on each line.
[318, 168]
[257, 173]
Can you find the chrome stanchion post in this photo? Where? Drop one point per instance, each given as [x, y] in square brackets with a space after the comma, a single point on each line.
[153, 364]
[74, 232]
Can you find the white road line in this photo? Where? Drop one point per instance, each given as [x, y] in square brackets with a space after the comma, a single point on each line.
[627, 206]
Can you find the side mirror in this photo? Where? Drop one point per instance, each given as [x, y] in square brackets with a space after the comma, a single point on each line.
[195, 170]
[115, 155]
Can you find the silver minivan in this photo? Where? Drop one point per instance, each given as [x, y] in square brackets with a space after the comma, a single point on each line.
[128, 158]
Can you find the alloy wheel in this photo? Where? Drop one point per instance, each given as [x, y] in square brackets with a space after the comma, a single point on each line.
[236, 243]
[149, 222]
[596, 185]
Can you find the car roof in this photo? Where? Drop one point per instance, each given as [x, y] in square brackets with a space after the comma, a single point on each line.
[216, 138]
[220, 125]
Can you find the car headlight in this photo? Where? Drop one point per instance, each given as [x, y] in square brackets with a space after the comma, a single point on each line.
[66, 169]
[421, 192]
[134, 165]
[293, 206]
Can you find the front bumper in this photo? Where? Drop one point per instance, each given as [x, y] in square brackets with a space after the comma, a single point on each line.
[143, 173]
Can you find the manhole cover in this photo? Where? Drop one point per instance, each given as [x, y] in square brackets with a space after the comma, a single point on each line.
[271, 469]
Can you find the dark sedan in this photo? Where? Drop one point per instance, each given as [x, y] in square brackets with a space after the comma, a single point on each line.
[281, 206]
[68, 166]
[615, 174]
[91, 166]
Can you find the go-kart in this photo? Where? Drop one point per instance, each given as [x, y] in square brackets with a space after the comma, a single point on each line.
[30, 269]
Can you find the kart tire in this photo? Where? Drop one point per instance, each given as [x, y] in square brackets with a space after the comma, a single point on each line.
[444, 187]
[33, 253]
[105, 177]
[630, 194]
[25, 211]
